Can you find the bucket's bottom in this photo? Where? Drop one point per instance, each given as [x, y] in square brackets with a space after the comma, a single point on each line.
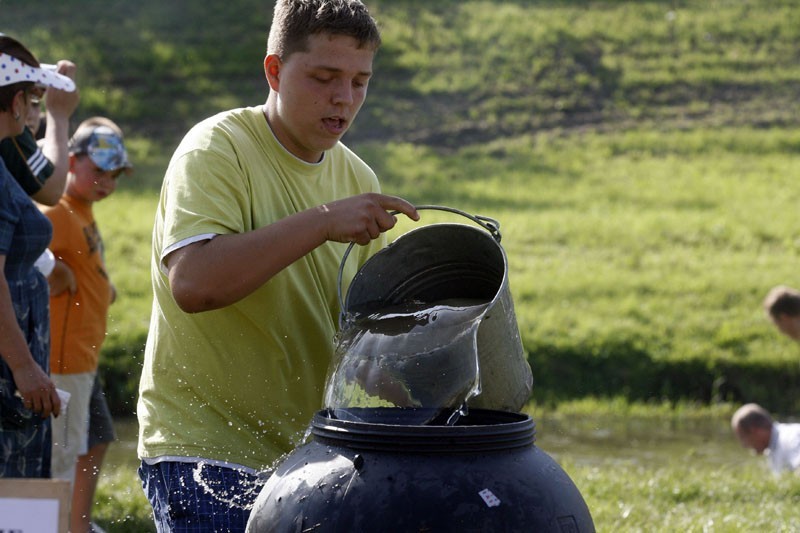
[414, 416]
[409, 416]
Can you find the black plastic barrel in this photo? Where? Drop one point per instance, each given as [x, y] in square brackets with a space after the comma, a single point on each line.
[484, 474]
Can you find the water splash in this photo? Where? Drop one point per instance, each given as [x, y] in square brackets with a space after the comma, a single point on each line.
[233, 496]
[417, 355]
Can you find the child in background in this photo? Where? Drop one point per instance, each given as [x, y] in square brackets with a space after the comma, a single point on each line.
[80, 289]
[757, 430]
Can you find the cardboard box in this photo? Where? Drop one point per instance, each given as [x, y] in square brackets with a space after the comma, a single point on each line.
[34, 505]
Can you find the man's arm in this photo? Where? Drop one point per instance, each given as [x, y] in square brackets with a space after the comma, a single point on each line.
[215, 273]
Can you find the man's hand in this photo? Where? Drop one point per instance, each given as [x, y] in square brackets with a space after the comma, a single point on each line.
[364, 217]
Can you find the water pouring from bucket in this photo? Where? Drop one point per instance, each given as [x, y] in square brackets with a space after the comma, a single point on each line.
[428, 326]
[421, 355]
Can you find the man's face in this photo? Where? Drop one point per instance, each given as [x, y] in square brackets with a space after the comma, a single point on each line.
[756, 439]
[788, 325]
[317, 94]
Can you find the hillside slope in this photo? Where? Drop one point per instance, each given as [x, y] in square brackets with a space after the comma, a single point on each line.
[451, 72]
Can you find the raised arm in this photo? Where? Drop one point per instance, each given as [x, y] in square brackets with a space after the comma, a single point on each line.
[60, 106]
[221, 271]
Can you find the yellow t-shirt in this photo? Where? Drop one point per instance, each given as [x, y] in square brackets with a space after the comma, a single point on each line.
[241, 384]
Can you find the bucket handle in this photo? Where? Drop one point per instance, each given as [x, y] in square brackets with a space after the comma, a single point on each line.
[489, 224]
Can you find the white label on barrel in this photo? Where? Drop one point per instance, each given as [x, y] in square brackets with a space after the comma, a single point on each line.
[490, 499]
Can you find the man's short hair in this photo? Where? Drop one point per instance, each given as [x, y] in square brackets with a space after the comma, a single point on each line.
[782, 300]
[294, 21]
[751, 416]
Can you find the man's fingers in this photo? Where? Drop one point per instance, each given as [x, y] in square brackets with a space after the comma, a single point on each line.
[394, 203]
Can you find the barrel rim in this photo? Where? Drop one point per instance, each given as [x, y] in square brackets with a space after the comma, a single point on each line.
[511, 430]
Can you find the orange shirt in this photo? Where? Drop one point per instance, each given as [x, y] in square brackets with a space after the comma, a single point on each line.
[78, 321]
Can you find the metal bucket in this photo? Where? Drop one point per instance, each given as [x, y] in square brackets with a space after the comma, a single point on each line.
[454, 261]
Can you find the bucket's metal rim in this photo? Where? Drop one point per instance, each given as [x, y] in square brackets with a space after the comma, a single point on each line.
[489, 224]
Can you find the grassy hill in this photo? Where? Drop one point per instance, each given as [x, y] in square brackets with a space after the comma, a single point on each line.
[641, 157]
[451, 72]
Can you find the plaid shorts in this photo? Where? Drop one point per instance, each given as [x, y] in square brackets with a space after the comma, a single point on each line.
[198, 497]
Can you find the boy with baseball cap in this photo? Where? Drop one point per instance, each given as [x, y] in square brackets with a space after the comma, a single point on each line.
[81, 292]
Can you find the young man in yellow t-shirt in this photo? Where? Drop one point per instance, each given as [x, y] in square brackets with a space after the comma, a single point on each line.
[256, 211]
